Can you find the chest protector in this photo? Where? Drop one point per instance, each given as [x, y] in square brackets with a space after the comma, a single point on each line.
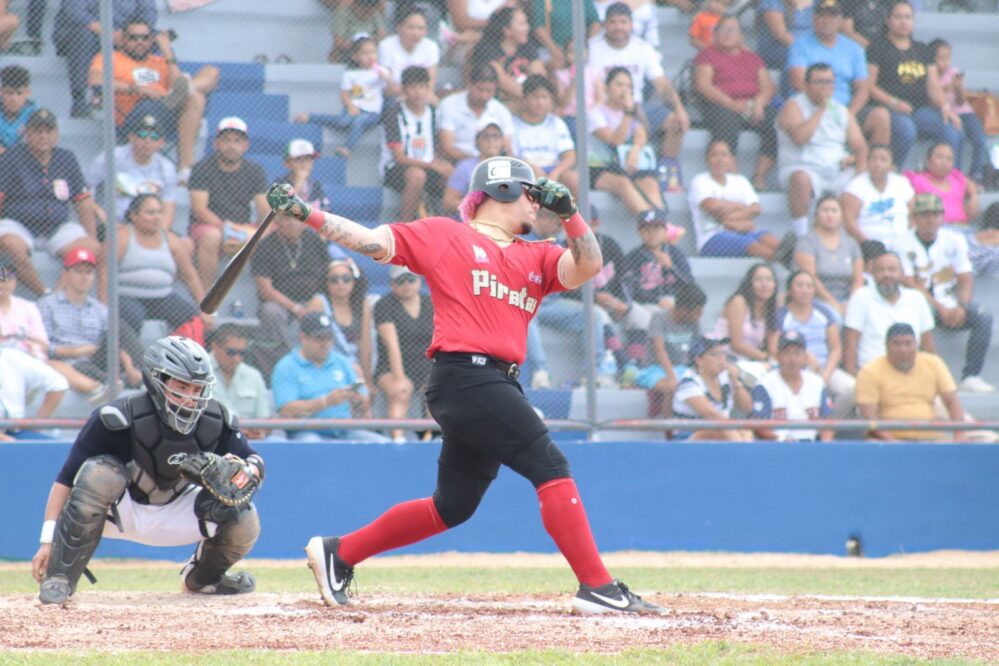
[152, 479]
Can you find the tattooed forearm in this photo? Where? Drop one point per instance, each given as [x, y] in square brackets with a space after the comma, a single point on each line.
[585, 248]
[354, 236]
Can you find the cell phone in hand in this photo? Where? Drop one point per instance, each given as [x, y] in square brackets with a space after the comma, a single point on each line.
[357, 387]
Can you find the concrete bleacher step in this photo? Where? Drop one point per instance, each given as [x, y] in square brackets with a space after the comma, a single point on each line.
[249, 105]
[241, 30]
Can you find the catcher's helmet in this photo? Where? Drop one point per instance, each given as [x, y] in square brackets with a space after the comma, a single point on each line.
[501, 178]
[186, 360]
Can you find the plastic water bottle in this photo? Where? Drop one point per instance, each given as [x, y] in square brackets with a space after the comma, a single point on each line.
[608, 365]
[237, 310]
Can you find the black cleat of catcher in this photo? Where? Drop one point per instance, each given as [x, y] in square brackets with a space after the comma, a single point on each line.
[333, 575]
[614, 597]
[55, 590]
[242, 582]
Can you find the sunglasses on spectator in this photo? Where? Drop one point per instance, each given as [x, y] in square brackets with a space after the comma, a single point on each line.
[139, 38]
[233, 352]
[337, 279]
[148, 134]
[405, 279]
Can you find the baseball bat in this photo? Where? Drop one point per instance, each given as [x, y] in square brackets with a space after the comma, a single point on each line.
[223, 283]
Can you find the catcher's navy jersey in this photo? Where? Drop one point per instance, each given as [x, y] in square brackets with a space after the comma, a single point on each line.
[97, 439]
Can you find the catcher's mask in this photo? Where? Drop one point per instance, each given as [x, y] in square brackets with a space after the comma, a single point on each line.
[502, 178]
[184, 359]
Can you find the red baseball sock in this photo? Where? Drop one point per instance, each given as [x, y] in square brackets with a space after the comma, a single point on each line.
[565, 520]
[400, 526]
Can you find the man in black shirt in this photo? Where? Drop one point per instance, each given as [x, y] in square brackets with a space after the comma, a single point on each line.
[289, 268]
[223, 186]
[864, 20]
[904, 81]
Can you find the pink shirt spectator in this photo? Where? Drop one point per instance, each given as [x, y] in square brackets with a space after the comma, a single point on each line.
[21, 326]
[564, 77]
[946, 79]
[754, 332]
[952, 197]
[734, 74]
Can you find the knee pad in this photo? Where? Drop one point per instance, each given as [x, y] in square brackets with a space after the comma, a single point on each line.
[457, 496]
[102, 478]
[98, 484]
[231, 543]
[242, 532]
[541, 461]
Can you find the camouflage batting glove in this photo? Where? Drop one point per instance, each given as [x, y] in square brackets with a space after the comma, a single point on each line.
[554, 196]
[283, 199]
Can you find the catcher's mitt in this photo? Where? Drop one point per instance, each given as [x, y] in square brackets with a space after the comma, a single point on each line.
[229, 479]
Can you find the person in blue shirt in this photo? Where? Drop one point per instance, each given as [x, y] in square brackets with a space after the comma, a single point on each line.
[15, 105]
[825, 43]
[313, 381]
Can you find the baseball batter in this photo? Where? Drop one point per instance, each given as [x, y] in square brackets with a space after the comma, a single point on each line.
[486, 284]
[120, 480]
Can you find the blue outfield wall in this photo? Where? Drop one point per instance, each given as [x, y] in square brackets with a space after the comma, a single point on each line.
[806, 498]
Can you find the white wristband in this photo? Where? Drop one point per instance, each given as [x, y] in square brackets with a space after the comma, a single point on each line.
[48, 531]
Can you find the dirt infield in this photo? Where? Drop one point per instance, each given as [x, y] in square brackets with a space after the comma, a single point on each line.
[512, 622]
[495, 623]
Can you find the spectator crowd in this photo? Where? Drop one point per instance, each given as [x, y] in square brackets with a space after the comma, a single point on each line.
[877, 249]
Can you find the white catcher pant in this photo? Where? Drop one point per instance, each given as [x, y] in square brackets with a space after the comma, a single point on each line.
[172, 524]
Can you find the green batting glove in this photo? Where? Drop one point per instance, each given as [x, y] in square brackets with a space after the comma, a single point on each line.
[554, 196]
[283, 199]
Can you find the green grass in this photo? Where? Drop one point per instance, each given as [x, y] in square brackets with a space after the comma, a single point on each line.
[714, 652]
[953, 583]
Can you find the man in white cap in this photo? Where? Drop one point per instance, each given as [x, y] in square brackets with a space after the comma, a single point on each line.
[223, 187]
[300, 158]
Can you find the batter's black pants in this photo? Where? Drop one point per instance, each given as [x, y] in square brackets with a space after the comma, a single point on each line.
[486, 422]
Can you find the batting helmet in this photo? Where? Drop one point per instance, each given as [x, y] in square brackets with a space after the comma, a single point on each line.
[184, 359]
[501, 178]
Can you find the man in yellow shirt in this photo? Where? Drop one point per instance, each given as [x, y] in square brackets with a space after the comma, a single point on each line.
[903, 384]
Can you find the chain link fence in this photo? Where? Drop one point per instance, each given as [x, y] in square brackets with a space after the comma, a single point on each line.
[124, 194]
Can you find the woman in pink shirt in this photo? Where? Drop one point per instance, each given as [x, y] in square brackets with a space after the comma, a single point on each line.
[21, 324]
[958, 193]
[952, 82]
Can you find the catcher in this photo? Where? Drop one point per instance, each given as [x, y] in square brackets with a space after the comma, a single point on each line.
[165, 467]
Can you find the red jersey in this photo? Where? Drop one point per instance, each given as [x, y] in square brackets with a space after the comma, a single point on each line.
[484, 295]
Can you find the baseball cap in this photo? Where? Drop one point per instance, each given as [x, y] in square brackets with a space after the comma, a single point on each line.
[42, 118]
[618, 9]
[485, 123]
[791, 339]
[398, 271]
[828, 7]
[317, 324]
[299, 148]
[80, 255]
[653, 216]
[234, 123]
[146, 122]
[900, 328]
[703, 344]
[927, 203]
